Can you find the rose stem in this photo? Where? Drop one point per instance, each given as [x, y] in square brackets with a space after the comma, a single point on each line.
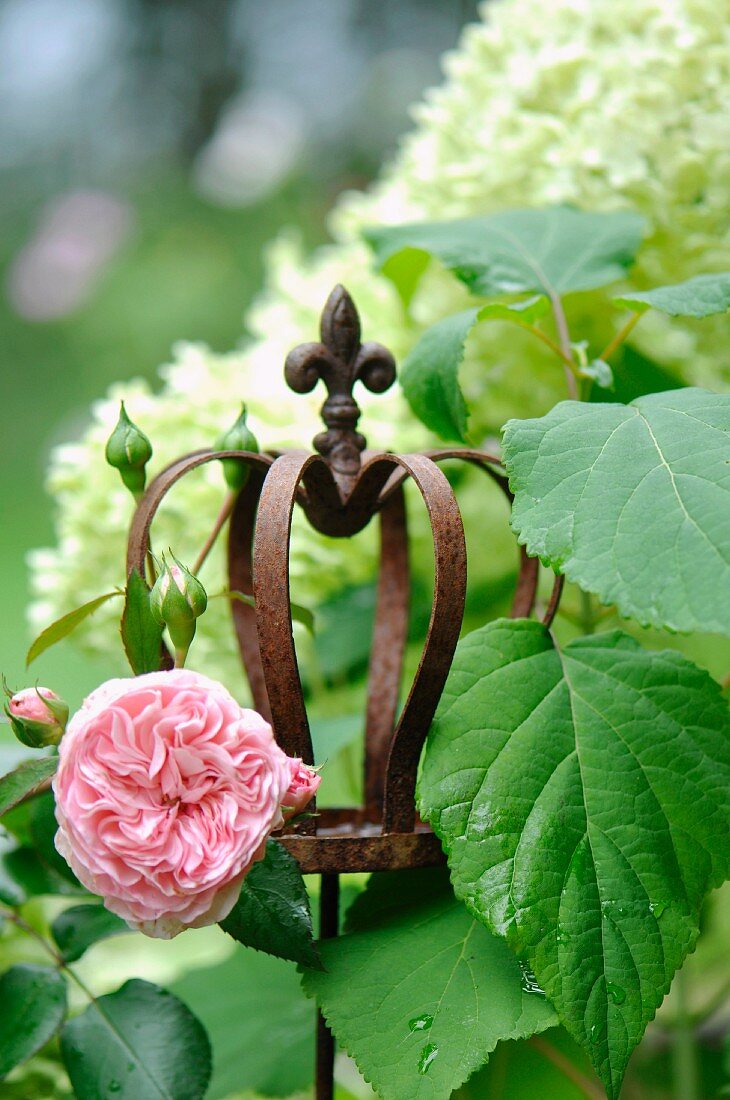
[226, 509]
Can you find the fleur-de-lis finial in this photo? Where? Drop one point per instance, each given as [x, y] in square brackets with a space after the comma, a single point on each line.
[340, 360]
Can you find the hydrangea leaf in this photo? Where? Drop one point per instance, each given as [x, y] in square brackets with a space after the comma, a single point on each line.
[80, 927]
[140, 1043]
[420, 1000]
[581, 798]
[33, 1000]
[272, 913]
[632, 502]
[429, 376]
[25, 781]
[551, 251]
[702, 296]
[253, 1008]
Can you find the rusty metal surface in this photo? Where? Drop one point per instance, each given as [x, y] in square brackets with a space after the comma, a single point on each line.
[340, 360]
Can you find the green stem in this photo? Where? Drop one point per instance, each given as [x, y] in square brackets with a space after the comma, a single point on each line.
[620, 336]
[566, 350]
[226, 509]
[684, 1052]
[50, 950]
[587, 614]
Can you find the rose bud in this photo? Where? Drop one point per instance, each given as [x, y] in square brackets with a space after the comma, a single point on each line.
[129, 450]
[38, 716]
[166, 792]
[177, 600]
[302, 786]
[239, 437]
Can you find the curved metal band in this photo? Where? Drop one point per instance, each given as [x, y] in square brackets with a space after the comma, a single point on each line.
[390, 633]
[447, 612]
[138, 542]
[240, 579]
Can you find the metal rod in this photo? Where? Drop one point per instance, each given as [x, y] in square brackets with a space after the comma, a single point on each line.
[329, 904]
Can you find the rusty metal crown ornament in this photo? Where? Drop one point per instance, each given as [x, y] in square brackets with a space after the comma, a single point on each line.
[340, 489]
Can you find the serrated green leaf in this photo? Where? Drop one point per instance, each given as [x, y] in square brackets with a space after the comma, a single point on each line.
[253, 1009]
[140, 1043]
[421, 1000]
[272, 913]
[25, 781]
[33, 1000]
[632, 502]
[551, 251]
[62, 627]
[24, 875]
[581, 797]
[702, 296]
[80, 927]
[141, 633]
[429, 376]
[43, 829]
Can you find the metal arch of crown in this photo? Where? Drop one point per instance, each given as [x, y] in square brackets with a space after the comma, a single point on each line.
[340, 489]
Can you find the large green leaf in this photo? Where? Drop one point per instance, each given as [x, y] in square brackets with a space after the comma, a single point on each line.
[141, 633]
[140, 1043]
[33, 1000]
[260, 1024]
[25, 781]
[78, 928]
[581, 798]
[64, 626]
[420, 1000]
[548, 1067]
[24, 875]
[632, 502]
[550, 251]
[429, 375]
[699, 297]
[272, 913]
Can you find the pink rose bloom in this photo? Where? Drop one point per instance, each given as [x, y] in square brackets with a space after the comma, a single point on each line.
[29, 704]
[165, 794]
[303, 784]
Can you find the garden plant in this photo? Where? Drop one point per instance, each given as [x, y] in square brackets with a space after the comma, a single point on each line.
[551, 273]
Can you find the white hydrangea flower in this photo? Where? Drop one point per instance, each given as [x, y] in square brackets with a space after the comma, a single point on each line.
[599, 103]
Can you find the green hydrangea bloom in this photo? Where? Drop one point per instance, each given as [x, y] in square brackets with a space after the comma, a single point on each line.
[599, 103]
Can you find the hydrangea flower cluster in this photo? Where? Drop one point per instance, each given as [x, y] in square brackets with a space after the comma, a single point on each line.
[599, 103]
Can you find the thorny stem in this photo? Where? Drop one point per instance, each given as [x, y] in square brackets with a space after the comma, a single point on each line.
[226, 509]
[566, 1067]
[620, 336]
[564, 338]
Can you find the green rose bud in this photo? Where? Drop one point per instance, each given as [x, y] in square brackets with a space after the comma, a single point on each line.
[239, 437]
[38, 716]
[129, 450]
[177, 600]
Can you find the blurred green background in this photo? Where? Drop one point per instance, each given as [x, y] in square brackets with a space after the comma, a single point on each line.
[149, 150]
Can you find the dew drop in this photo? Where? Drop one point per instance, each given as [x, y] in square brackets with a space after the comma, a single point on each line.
[420, 1023]
[530, 983]
[594, 1036]
[657, 908]
[427, 1057]
[616, 993]
[114, 1086]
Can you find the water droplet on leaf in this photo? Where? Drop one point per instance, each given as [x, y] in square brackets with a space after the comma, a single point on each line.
[530, 983]
[616, 993]
[427, 1057]
[595, 1037]
[657, 908]
[420, 1023]
[114, 1086]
